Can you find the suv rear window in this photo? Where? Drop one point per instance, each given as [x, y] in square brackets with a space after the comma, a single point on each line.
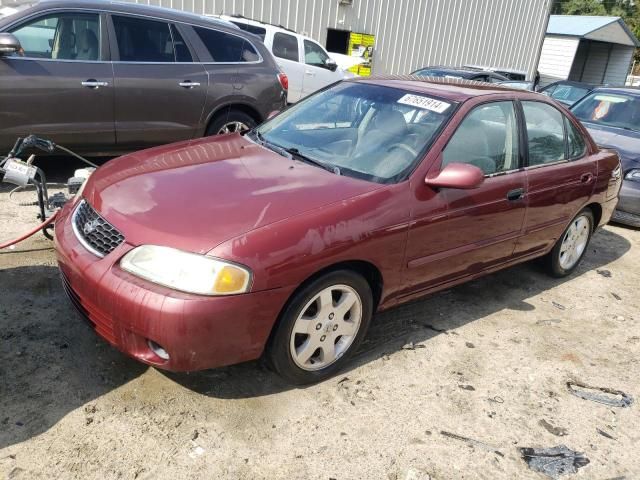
[258, 31]
[286, 46]
[227, 48]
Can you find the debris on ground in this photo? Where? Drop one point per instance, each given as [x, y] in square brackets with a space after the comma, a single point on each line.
[604, 273]
[554, 461]
[557, 431]
[548, 322]
[496, 399]
[605, 434]
[472, 442]
[604, 395]
[412, 346]
[467, 387]
[616, 296]
[559, 306]
[470, 345]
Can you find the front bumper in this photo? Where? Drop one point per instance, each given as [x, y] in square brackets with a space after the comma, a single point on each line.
[628, 209]
[198, 332]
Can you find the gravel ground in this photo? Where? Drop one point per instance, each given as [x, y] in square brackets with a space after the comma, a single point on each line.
[488, 361]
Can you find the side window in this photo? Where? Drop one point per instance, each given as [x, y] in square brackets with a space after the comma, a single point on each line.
[141, 40]
[285, 46]
[226, 48]
[64, 36]
[486, 138]
[181, 50]
[314, 54]
[577, 147]
[545, 131]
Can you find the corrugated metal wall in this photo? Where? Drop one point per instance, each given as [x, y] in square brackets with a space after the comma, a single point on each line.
[557, 58]
[409, 33]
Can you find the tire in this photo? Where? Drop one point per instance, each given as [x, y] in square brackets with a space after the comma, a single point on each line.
[228, 121]
[327, 328]
[571, 246]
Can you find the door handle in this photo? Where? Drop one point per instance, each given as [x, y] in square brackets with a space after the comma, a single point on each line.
[188, 84]
[309, 72]
[93, 83]
[586, 178]
[515, 194]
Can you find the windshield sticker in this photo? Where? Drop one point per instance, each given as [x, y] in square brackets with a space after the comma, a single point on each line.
[424, 102]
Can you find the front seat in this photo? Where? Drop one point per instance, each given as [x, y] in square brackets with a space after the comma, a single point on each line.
[469, 145]
[87, 45]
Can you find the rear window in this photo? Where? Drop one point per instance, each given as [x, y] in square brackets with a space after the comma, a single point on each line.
[285, 46]
[141, 40]
[258, 31]
[226, 48]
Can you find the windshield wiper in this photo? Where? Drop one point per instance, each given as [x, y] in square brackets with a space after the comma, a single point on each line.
[271, 146]
[300, 156]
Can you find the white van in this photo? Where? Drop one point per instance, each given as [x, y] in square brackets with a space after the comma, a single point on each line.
[306, 63]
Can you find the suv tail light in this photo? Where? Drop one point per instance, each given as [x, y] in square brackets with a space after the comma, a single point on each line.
[284, 80]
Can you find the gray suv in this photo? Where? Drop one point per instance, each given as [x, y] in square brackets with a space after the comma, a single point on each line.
[105, 78]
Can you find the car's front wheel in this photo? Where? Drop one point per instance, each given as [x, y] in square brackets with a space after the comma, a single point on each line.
[321, 327]
[572, 245]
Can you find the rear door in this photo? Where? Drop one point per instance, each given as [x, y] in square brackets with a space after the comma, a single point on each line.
[160, 88]
[62, 88]
[286, 49]
[560, 172]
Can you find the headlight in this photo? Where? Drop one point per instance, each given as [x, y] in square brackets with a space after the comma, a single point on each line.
[633, 175]
[188, 272]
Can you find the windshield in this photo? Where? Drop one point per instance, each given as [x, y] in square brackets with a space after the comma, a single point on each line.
[611, 109]
[567, 93]
[361, 130]
[434, 72]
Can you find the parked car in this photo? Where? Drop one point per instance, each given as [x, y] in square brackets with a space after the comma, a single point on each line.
[518, 85]
[567, 92]
[364, 196]
[308, 66]
[103, 77]
[612, 116]
[467, 73]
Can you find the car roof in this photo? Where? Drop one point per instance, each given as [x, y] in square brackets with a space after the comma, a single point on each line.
[256, 23]
[573, 83]
[454, 89]
[133, 8]
[466, 71]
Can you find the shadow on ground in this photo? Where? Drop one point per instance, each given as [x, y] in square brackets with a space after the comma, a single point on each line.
[52, 363]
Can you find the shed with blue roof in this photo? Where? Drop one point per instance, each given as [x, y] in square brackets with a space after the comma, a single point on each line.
[591, 49]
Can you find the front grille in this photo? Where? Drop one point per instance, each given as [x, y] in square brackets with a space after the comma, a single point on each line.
[94, 232]
[100, 322]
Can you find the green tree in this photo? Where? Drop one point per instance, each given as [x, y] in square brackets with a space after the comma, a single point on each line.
[626, 9]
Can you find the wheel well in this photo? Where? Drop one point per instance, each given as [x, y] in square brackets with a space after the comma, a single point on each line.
[596, 209]
[252, 112]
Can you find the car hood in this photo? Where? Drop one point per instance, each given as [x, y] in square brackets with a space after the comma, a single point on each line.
[625, 142]
[195, 195]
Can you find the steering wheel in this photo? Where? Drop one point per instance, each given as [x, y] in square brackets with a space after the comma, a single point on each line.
[404, 147]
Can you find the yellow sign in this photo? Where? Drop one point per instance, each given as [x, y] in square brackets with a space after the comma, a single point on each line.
[361, 45]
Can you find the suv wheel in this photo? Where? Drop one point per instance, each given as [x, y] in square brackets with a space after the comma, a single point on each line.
[321, 327]
[230, 121]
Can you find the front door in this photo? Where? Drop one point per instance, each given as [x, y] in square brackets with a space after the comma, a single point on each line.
[159, 90]
[316, 72]
[474, 229]
[61, 88]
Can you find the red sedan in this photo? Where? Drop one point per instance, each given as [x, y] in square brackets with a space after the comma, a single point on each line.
[284, 241]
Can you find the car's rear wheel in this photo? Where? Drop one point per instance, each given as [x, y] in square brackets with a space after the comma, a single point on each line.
[230, 120]
[321, 327]
[572, 245]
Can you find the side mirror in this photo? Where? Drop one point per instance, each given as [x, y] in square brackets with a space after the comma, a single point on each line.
[457, 175]
[331, 65]
[272, 114]
[9, 44]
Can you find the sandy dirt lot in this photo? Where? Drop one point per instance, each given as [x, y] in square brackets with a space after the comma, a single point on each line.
[489, 361]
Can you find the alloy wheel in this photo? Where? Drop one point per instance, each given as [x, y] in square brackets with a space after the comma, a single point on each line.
[233, 127]
[574, 242]
[326, 327]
